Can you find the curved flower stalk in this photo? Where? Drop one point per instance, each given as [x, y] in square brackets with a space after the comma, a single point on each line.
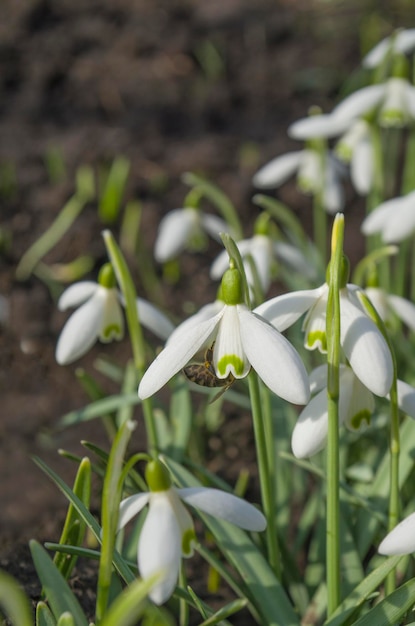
[388, 305]
[394, 219]
[100, 316]
[240, 339]
[363, 343]
[312, 178]
[400, 42]
[179, 228]
[168, 531]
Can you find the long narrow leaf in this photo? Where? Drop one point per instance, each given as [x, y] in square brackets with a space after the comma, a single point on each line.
[14, 602]
[392, 608]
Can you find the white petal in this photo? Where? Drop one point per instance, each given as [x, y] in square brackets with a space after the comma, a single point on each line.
[401, 540]
[333, 194]
[379, 299]
[406, 398]
[221, 263]
[178, 351]
[130, 507]
[262, 254]
[402, 224]
[318, 378]
[365, 348]
[76, 294]
[278, 170]
[377, 54]
[81, 330]
[228, 354]
[362, 167]
[294, 259]
[224, 506]
[310, 432]
[283, 311]
[359, 102]
[273, 358]
[404, 309]
[356, 403]
[159, 547]
[174, 231]
[206, 312]
[318, 126]
[153, 319]
[314, 325]
[112, 326]
[214, 225]
[405, 40]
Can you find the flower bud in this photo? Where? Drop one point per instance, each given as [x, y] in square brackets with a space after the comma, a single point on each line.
[157, 476]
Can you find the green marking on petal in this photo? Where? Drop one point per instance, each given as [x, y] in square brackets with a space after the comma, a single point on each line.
[344, 151]
[188, 541]
[234, 361]
[317, 339]
[111, 331]
[392, 117]
[358, 419]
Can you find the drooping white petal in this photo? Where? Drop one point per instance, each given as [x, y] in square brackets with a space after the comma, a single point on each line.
[361, 170]
[316, 126]
[206, 312]
[213, 225]
[224, 506]
[175, 229]
[377, 54]
[278, 170]
[152, 318]
[378, 220]
[76, 294]
[405, 40]
[404, 309]
[318, 378]
[112, 326]
[221, 263]
[356, 402]
[228, 354]
[185, 522]
[402, 224]
[333, 194]
[293, 258]
[395, 110]
[365, 348]
[130, 507]
[159, 547]
[261, 251]
[314, 325]
[406, 398]
[283, 311]
[273, 358]
[401, 540]
[410, 101]
[310, 431]
[81, 330]
[359, 102]
[310, 174]
[178, 351]
[379, 299]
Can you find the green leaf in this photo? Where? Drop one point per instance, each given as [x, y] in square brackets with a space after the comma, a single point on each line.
[226, 611]
[44, 615]
[181, 418]
[66, 619]
[14, 602]
[129, 605]
[60, 597]
[99, 409]
[392, 608]
[110, 201]
[74, 528]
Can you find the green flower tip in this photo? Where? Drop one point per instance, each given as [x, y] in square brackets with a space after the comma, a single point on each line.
[358, 420]
[232, 290]
[157, 476]
[188, 541]
[261, 226]
[315, 110]
[234, 361]
[106, 276]
[344, 271]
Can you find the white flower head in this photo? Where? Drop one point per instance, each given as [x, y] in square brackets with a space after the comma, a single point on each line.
[168, 533]
[401, 539]
[311, 176]
[401, 41]
[388, 305]
[240, 339]
[363, 344]
[100, 316]
[394, 219]
[180, 227]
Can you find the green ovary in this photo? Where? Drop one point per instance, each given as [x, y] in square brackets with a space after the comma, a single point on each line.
[111, 331]
[358, 419]
[235, 362]
[317, 337]
[188, 541]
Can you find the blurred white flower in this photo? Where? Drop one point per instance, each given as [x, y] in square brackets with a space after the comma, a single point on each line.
[180, 227]
[402, 41]
[388, 304]
[400, 540]
[394, 219]
[168, 531]
[312, 177]
[361, 340]
[240, 339]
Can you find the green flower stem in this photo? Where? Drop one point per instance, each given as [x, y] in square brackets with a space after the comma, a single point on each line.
[333, 390]
[319, 212]
[394, 500]
[266, 480]
[135, 331]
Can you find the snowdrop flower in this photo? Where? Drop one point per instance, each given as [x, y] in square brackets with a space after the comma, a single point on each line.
[310, 176]
[388, 304]
[394, 219]
[402, 41]
[179, 228]
[168, 531]
[240, 339]
[100, 316]
[356, 405]
[401, 539]
[362, 342]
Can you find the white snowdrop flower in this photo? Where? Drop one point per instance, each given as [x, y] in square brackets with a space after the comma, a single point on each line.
[100, 316]
[361, 340]
[400, 540]
[180, 227]
[311, 177]
[402, 41]
[168, 532]
[356, 405]
[356, 147]
[393, 219]
[388, 305]
[240, 339]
